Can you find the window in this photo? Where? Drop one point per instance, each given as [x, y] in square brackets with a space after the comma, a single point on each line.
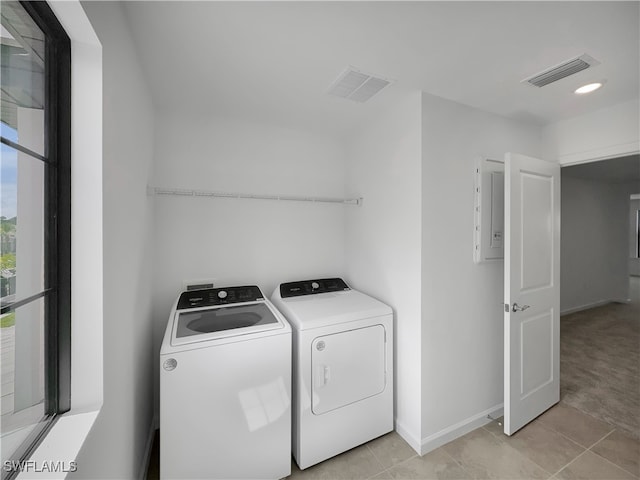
[35, 214]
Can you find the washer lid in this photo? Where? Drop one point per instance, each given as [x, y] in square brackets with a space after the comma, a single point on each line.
[202, 324]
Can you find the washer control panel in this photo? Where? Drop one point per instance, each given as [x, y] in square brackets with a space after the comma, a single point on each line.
[311, 287]
[219, 296]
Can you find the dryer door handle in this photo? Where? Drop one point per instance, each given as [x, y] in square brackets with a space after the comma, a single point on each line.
[323, 375]
[327, 374]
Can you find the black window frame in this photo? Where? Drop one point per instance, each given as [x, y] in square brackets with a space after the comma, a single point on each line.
[638, 233]
[57, 228]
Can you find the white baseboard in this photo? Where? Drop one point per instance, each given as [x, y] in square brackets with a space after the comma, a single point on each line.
[585, 307]
[147, 449]
[622, 300]
[412, 440]
[459, 429]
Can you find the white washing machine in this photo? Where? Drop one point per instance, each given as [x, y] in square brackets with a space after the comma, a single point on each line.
[225, 387]
[342, 367]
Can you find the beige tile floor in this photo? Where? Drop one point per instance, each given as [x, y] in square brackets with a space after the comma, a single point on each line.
[563, 443]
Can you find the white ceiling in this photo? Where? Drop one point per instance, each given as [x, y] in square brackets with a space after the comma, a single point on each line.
[275, 60]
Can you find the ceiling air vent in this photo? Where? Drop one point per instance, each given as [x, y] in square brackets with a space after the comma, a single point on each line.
[561, 71]
[357, 86]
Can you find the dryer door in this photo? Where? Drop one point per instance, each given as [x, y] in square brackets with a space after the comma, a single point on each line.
[347, 367]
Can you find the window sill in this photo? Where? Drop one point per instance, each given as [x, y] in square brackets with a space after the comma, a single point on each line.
[56, 455]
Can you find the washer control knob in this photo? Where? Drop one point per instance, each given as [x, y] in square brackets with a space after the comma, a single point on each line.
[222, 294]
[315, 285]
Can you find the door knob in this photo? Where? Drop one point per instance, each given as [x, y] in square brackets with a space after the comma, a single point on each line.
[518, 308]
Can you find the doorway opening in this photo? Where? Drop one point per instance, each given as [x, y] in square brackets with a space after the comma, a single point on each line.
[600, 290]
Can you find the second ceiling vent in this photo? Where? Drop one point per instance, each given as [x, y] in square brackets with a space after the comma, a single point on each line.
[357, 86]
[561, 71]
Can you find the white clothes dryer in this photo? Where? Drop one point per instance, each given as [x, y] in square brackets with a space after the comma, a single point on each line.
[225, 387]
[342, 367]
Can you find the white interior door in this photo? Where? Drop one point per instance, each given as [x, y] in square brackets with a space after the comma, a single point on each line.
[531, 289]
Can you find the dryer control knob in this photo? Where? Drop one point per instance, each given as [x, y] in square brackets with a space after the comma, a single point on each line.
[222, 294]
[315, 285]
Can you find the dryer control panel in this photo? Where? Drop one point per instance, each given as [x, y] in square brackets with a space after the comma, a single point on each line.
[311, 287]
[219, 296]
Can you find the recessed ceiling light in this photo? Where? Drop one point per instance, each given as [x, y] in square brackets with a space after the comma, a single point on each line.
[588, 88]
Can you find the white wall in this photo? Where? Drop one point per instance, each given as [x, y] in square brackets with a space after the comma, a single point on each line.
[243, 241]
[634, 261]
[115, 447]
[383, 240]
[462, 326]
[606, 133]
[594, 250]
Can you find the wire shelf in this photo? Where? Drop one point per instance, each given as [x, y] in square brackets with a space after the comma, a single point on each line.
[182, 192]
